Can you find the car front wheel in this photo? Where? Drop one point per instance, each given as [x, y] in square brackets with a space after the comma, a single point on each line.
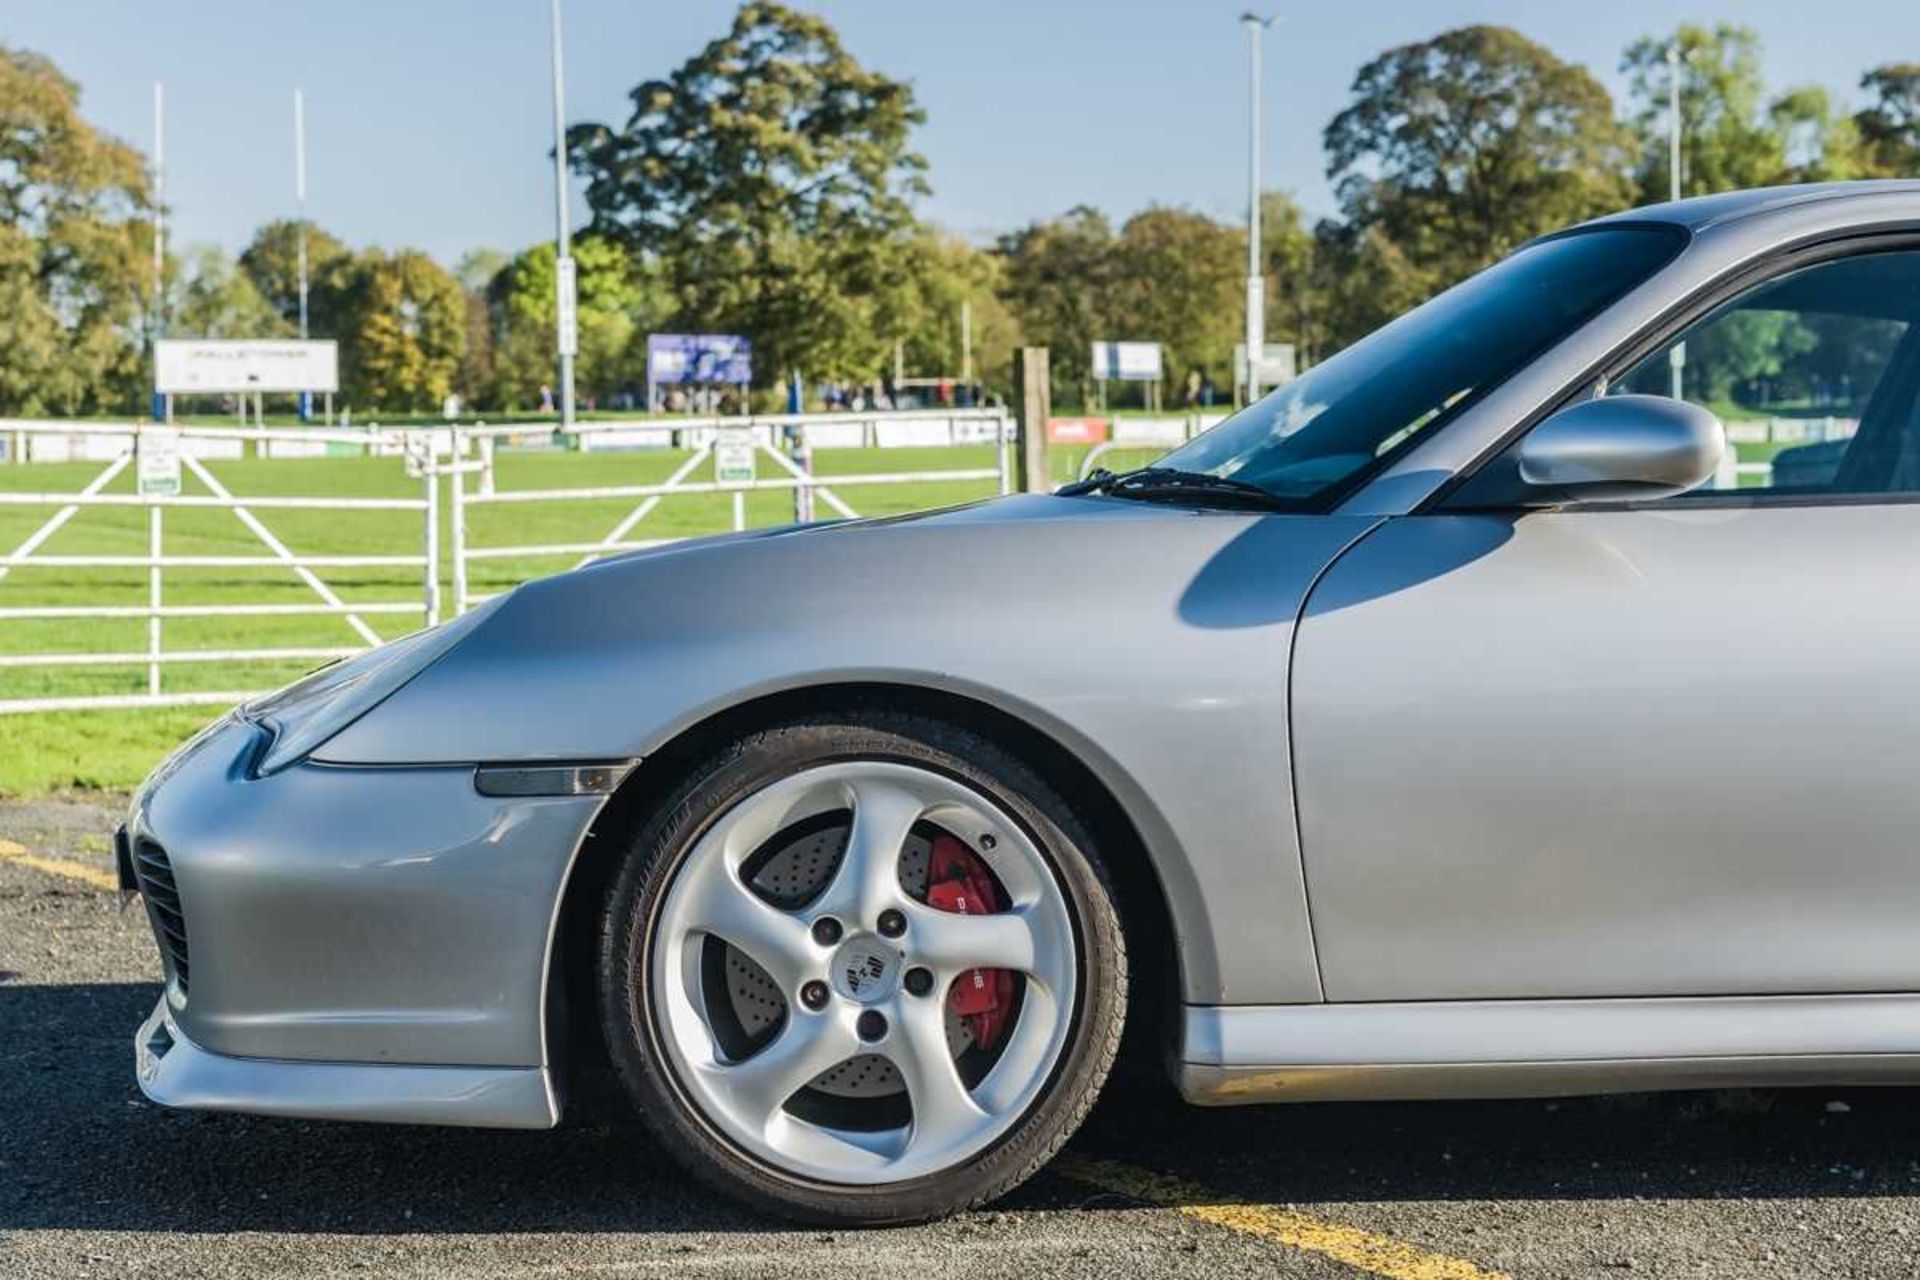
[862, 969]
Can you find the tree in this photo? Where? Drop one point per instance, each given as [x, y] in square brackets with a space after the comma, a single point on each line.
[1365, 280]
[948, 276]
[770, 177]
[1889, 127]
[271, 261]
[1178, 279]
[1819, 143]
[616, 305]
[1295, 290]
[1059, 288]
[1462, 147]
[74, 242]
[216, 300]
[1732, 136]
[403, 334]
[477, 268]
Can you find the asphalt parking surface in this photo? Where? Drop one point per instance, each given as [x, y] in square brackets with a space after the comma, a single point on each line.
[94, 1181]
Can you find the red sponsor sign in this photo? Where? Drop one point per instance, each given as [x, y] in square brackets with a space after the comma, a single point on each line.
[1076, 430]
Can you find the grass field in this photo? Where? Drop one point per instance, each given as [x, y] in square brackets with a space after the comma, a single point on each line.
[40, 751]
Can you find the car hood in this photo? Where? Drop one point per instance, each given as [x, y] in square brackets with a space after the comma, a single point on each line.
[1015, 597]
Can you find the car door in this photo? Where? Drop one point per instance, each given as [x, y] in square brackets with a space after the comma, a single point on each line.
[1668, 748]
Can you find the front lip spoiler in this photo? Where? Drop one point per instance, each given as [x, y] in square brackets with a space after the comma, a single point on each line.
[173, 1071]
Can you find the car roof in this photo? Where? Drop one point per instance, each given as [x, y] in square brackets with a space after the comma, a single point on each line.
[1701, 212]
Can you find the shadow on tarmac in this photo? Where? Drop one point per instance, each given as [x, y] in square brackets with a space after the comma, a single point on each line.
[80, 1149]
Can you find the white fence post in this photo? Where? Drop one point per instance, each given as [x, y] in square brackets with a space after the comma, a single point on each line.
[430, 477]
[457, 526]
[1005, 456]
[155, 595]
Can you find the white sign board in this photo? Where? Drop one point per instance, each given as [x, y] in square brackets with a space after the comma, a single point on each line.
[566, 282]
[734, 456]
[157, 451]
[1126, 361]
[1277, 366]
[208, 367]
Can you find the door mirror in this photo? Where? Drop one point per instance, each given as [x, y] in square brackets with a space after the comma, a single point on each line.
[1616, 448]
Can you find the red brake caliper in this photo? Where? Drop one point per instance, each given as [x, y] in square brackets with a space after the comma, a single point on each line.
[958, 881]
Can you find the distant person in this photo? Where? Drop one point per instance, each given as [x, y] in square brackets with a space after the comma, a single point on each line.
[1191, 396]
[450, 407]
[546, 398]
[1206, 391]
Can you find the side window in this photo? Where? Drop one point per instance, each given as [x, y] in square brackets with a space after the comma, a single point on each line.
[1816, 375]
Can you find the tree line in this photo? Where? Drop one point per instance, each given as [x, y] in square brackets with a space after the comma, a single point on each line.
[769, 186]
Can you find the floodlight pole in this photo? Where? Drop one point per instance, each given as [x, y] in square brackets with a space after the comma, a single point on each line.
[300, 222]
[158, 320]
[563, 264]
[1256, 332]
[1673, 119]
[1677, 354]
[300, 196]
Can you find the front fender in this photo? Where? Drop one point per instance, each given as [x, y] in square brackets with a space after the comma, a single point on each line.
[1152, 642]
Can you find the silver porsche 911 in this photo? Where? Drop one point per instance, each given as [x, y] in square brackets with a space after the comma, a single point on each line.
[1465, 718]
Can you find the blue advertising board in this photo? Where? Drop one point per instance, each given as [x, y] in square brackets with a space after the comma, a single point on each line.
[699, 358]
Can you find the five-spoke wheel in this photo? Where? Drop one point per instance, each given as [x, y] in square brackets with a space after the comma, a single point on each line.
[856, 977]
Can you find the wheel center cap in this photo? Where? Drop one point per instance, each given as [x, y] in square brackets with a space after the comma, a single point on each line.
[865, 969]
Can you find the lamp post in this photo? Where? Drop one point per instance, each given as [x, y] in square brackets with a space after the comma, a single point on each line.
[300, 197]
[1256, 331]
[1674, 58]
[157, 322]
[1677, 354]
[564, 323]
[300, 222]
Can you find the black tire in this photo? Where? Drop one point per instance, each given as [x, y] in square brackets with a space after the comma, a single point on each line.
[646, 870]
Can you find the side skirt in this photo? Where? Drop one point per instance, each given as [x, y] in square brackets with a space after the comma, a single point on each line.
[1536, 1048]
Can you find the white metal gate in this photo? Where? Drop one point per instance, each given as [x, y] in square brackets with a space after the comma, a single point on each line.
[476, 451]
[115, 446]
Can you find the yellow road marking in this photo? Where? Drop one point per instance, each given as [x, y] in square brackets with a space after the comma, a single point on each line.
[11, 852]
[1356, 1248]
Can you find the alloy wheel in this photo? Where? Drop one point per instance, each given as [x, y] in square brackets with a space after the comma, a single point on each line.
[832, 1005]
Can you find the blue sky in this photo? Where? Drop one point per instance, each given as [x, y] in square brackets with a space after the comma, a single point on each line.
[428, 120]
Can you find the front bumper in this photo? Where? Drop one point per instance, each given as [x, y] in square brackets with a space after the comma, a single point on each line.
[175, 1072]
[349, 926]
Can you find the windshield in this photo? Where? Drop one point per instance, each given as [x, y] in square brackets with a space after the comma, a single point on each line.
[1313, 438]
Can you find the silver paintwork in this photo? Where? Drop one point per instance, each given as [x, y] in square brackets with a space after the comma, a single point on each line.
[950, 1122]
[176, 1072]
[1554, 770]
[1151, 641]
[1654, 752]
[360, 915]
[1621, 447]
[1512, 1048]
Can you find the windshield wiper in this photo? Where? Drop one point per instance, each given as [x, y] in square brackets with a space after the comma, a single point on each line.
[1156, 483]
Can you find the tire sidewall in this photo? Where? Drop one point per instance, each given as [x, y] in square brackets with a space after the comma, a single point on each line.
[660, 849]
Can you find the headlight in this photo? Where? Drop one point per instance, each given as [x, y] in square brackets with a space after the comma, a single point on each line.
[305, 714]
